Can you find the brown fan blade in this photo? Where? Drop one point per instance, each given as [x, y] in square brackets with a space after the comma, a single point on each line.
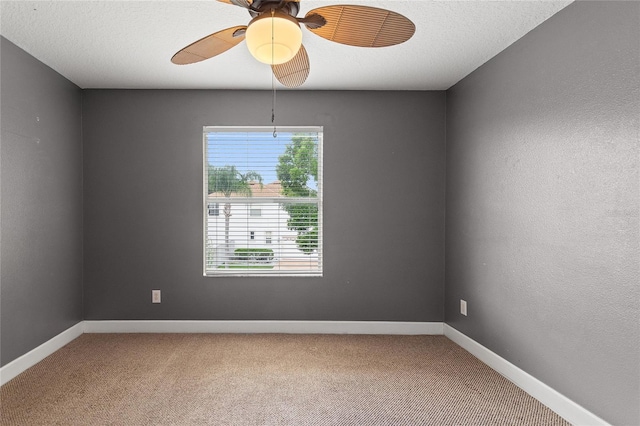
[294, 72]
[363, 26]
[242, 3]
[210, 46]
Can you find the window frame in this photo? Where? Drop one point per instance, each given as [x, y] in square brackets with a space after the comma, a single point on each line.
[318, 200]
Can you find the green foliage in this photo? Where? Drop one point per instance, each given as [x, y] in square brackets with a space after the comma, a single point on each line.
[307, 241]
[254, 254]
[303, 218]
[296, 167]
[228, 180]
[253, 250]
[245, 266]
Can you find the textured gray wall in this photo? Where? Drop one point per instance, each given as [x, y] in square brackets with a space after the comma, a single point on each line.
[41, 288]
[384, 174]
[542, 206]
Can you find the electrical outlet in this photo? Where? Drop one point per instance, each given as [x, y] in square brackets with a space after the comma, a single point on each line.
[155, 296]
[463, 307]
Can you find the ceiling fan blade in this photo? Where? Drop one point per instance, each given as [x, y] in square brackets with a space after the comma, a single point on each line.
[362, 26]
[242, 3]
[210, 46]
[294, 72]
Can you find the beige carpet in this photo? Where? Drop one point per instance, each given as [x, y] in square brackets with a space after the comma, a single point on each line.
[265, 379]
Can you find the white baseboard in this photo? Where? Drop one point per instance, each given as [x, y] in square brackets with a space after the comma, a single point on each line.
[287, 327]
[563, 406]
[36, 355]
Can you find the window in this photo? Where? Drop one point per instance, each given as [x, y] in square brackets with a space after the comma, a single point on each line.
[267, 187]
[214, 209]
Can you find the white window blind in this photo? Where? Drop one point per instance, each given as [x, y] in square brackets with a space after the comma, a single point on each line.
[268, 191]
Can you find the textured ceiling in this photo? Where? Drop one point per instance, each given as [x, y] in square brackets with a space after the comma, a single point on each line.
[128, 44]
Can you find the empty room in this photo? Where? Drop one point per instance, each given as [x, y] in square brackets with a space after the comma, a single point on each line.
[277, 212]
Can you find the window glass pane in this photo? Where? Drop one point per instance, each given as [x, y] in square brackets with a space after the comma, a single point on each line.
[214, 209]
[269, 196]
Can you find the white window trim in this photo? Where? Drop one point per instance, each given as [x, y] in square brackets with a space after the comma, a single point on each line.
[249, 200]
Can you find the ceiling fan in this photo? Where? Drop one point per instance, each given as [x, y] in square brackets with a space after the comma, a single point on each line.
[274, 35]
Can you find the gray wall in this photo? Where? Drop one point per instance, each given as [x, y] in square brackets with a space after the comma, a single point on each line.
[542, 206]
[384, 171]
[41, 290]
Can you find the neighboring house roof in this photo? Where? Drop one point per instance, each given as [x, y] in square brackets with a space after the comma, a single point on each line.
[273, 189]
[267, 190]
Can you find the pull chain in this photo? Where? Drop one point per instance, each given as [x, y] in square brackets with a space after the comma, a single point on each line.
[273, 107]
[273, 84]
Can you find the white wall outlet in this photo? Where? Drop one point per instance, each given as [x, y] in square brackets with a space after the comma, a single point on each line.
[463, 307]
[155, 296]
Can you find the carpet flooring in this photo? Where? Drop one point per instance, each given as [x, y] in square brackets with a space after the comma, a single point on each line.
[265, 379]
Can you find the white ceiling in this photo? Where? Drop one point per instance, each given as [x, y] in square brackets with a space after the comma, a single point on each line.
[128, 44]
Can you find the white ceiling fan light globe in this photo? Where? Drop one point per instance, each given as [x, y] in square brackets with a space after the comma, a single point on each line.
[285, 32]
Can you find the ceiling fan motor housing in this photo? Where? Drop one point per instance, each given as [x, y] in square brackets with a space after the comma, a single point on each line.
[258, 7]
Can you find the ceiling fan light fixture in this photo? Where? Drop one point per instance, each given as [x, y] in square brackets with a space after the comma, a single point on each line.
[273, 37]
